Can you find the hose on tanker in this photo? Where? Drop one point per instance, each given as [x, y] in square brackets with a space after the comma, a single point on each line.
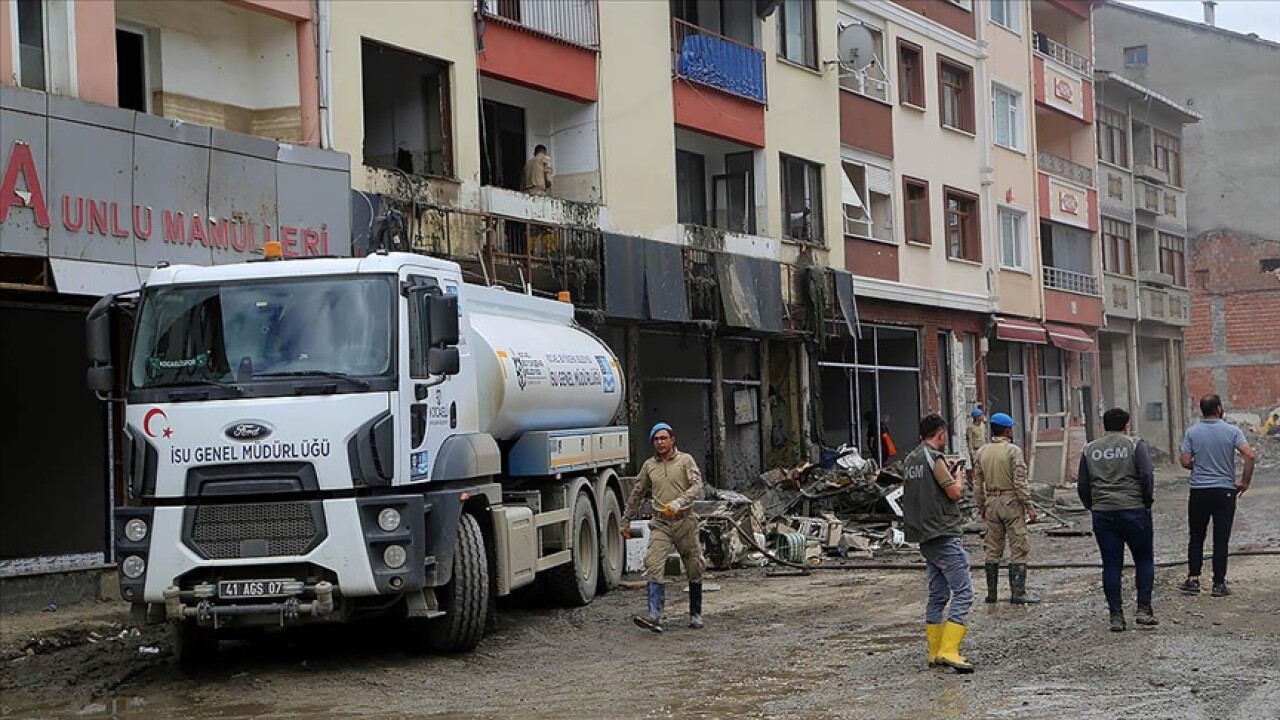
[807, 569]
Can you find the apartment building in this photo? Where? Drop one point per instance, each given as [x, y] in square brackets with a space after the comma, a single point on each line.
[133, 133]
[1229, 181]
[695, 187]
[1144, 235]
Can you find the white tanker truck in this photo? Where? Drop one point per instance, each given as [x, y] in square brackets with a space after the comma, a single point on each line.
[321, 440]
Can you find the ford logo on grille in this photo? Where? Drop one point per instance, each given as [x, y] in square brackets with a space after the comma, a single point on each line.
[247, 431]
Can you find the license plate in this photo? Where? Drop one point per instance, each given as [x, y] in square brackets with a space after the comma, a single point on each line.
[229, 589]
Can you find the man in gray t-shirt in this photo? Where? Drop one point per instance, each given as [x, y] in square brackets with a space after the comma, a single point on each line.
[1209, 452]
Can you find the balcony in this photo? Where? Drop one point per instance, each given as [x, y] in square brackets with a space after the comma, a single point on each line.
[571, 21]
[1049, 47]
[708, 58]
[1121, 296]
[1064, 168]
[1071, 281]
[1148, 198]
[1166, 305]
[1147, 171]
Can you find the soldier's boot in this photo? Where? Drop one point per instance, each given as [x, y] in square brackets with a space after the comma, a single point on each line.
[949, 649]
[1018, 586]
[1146, 616]
[1117, 621]
[993, 581]
[695, 606]
[933, 631]
[657, 599]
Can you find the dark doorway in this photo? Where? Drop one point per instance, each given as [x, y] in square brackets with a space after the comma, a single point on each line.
[505, 145]
[131, 70]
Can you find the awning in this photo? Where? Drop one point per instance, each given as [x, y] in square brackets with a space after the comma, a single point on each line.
[848, 302]
[1023, 331]
[80, 277]
[1069, 338]
[750, 292]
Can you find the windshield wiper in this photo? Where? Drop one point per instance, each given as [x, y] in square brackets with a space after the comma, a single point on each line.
[200, 382]
[358, 382]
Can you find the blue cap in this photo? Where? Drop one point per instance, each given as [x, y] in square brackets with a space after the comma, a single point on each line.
[976, 413]
[1001, 420]
[659, 428]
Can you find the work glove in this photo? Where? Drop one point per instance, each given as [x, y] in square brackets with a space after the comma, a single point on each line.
[626, 532]
[668, 511]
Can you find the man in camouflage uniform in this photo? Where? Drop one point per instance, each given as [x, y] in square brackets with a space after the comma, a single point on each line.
[977, 435]
[675, 481]
[1003, 496]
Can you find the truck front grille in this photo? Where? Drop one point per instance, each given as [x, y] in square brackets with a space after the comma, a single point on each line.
[270, 529]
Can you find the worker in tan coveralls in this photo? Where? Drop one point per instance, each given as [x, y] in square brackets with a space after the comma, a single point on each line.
[976, 435]
[538, 173]
[675, 481]
[1003, 496]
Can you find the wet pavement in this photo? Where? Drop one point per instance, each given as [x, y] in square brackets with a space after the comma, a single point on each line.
[843, 644]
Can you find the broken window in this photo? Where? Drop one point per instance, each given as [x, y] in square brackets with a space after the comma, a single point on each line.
[407, 117]
[802, 200]
[868, 206]
[870, 388]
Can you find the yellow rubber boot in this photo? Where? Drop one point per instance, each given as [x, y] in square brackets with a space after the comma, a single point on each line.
[949, 652]
[933, 631]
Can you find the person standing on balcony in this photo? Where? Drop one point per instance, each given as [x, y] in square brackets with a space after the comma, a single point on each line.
[538, 173]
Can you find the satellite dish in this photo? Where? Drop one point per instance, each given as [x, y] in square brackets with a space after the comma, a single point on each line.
[856, 47]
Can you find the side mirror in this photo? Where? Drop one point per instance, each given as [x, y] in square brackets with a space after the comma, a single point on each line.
[98, 331]
[443, 362]
[443, 310]
[102, 379]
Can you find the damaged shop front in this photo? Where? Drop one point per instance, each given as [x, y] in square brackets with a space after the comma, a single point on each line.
[710, 341]
[91, 198]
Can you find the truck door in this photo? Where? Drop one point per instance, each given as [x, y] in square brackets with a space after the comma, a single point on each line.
[428, 413]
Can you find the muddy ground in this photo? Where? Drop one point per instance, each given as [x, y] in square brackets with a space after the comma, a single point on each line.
[844, 644]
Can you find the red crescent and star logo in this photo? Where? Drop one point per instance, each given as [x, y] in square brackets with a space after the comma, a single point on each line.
[152, 414]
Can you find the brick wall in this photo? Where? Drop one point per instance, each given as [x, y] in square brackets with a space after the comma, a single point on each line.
[1233, 343]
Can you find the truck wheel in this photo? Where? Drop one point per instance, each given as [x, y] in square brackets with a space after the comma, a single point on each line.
[613, 551]
[193, 645]
[574, 583]
[465, 600]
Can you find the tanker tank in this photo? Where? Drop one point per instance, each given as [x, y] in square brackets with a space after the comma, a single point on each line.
[535, 368]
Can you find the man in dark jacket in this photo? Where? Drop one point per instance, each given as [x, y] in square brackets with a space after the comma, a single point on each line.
[931, 517]
[1116, 481]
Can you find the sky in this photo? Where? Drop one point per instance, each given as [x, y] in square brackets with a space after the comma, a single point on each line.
[1243, 16]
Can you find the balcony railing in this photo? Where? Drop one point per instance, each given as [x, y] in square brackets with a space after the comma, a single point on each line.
[1071, 281]
[573, 21]
[716, 61]
[1063, 54]
[1064, 168]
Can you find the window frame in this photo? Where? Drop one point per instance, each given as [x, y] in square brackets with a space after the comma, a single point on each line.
[920, 204]
[1173, 257]
[147, 46]
[1112, 244]
[1017, 119]
[970, 244]
[813, 183]
[1109, 123]
[1136, 64]
[1022, 243]
[445, 82]
[1014, 18]
[1167, 155]
[911, 85]
[964, 97]
[810, 34]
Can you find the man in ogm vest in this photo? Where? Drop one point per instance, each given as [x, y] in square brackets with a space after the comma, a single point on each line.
[1117, 482]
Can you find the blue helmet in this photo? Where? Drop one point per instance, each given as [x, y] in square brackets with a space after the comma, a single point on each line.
[1001, 420]
[659, 428]
[976, 413]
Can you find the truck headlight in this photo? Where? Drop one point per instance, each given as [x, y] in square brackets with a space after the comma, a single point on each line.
[395, 556]
[389, 520]
[136, 530]
[133, 567]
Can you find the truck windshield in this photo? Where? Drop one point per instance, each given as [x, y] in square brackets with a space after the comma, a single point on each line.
[235, 333]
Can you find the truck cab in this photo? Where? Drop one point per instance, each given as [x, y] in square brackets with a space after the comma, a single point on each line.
[323, 440]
